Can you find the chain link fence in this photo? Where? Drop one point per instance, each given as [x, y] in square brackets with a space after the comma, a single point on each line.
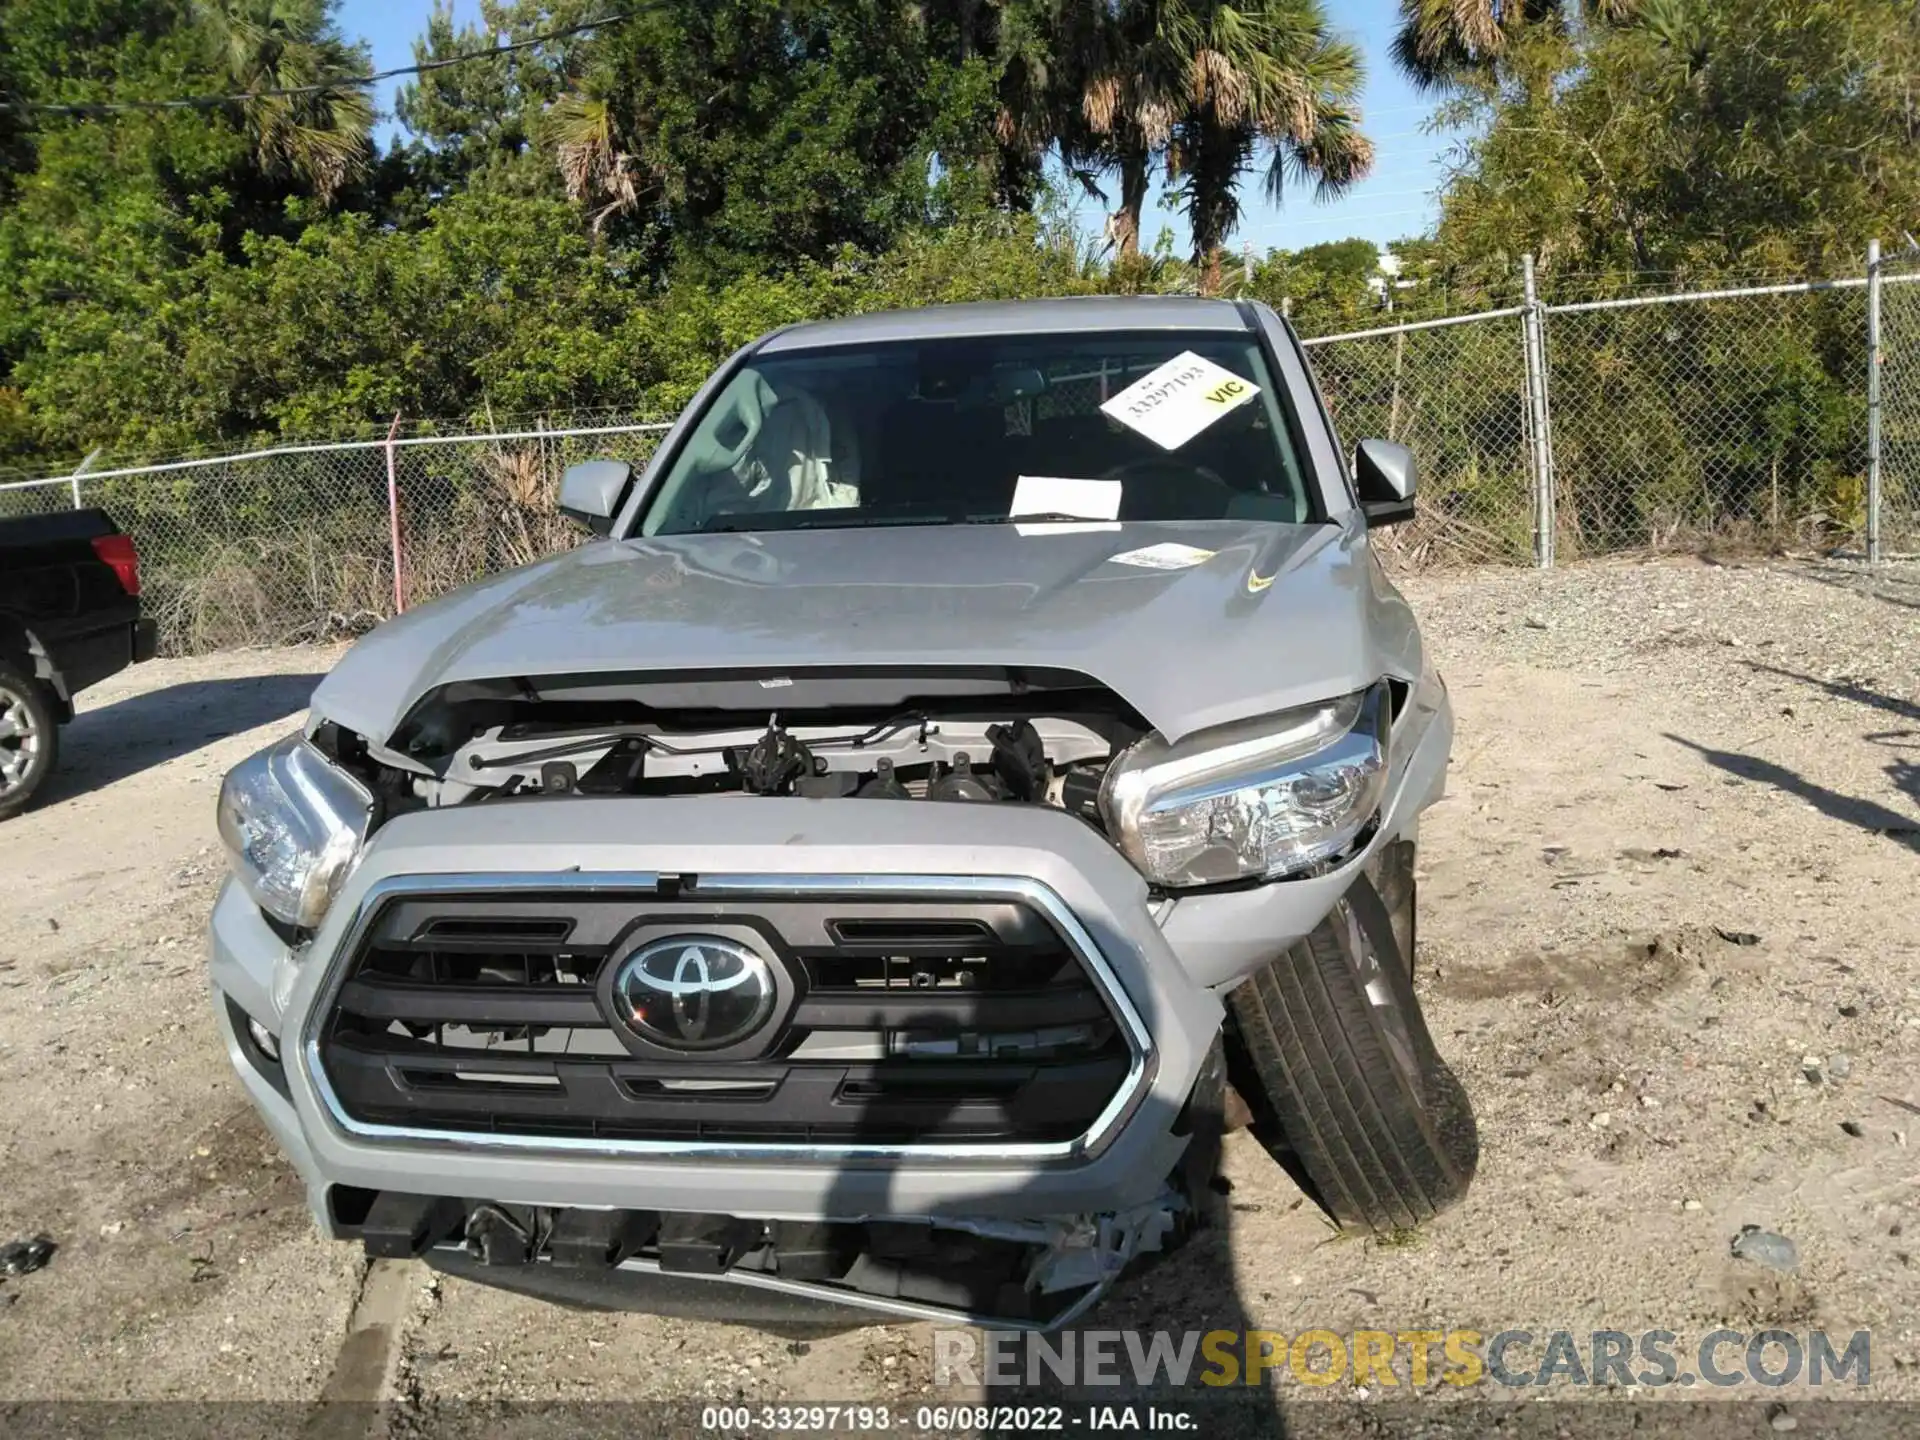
[1899, 389]
[1456, 394]
[299, 543]
[478, 505]
[1725, 419]
[1544, 432]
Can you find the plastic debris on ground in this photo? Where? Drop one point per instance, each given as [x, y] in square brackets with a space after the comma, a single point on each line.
[23, 1257]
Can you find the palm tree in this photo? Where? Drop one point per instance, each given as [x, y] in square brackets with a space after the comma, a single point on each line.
[320, 137]
[1207, 88]
[1041, 48]
[1442, 42]
[1281, 85]
[593, 165]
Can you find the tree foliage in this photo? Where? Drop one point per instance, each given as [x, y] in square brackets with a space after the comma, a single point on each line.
[1444, 43]
[265, 47]
[1694, 136]
[594, 220]
[478, 125]
[756, 132]
[1322, 287]
[100, 211]
[1207, 91]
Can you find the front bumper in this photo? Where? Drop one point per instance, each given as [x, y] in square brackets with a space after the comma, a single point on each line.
[1171, 960]
[987, 849]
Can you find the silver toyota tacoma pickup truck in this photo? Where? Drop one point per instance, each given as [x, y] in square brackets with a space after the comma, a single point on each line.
[570, 946]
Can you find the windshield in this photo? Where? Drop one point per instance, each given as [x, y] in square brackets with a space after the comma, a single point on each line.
[1041, 428]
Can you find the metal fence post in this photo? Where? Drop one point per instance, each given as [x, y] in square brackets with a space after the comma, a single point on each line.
[85, 465]
[1873, 402]
[393, 521]
[1533, 338]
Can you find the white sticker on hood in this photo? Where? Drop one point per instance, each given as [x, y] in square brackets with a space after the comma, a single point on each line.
[1165, 556]
[1175, 402]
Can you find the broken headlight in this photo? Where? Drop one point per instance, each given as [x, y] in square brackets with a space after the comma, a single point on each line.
[1252, 800]
[293, 823]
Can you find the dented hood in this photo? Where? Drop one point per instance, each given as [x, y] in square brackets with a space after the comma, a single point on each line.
[1268, 617]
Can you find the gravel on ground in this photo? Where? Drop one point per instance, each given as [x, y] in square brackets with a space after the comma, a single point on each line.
[1669, 939]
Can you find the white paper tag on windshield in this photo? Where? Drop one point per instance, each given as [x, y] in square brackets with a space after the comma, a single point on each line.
[1175, 402]
[1055, 495]
[1165, 556]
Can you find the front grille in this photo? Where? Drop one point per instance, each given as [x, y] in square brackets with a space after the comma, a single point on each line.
[912, 1022]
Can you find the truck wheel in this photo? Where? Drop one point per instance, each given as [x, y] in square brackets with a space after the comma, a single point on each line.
[29, 738]
[1347, 1090]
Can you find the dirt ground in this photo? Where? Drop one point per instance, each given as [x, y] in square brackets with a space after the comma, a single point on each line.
[1670, 940]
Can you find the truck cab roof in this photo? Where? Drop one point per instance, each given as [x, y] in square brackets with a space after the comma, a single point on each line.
[1066, 315]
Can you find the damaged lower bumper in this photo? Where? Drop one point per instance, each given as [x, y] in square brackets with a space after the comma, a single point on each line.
[1032, 1274]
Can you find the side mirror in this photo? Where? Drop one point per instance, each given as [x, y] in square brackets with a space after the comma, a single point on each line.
[593, 491]
[1387, 476]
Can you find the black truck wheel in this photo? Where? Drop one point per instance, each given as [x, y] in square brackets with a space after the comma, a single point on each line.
[1346, 1088]
[29, 738]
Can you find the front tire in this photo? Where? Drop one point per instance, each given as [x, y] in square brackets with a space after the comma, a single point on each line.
[1347, 1090]
[29, 738]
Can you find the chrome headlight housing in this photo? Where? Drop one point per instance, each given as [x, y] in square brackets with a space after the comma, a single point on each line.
[1253, 800]
[293, 823]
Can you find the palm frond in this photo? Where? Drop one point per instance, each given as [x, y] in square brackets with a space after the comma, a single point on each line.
[323, 137]
[1100, 103]
[593, 167]
[1334, 159]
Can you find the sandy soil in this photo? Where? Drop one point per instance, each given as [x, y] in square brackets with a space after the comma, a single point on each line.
[1651, 759]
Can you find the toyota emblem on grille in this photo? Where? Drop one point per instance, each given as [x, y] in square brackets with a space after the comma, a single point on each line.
[693, 992]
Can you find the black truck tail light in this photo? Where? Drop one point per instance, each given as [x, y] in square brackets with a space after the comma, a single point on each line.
[118, 551]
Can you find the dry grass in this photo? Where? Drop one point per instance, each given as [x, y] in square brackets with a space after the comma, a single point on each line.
[304, 590]
[319, 585]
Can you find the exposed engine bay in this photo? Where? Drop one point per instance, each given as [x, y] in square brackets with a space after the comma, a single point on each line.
[1047, 746]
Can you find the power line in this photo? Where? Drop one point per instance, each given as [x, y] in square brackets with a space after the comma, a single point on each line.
[1327, 217]
[1407, 134]
[344, 82]
[1361, 192]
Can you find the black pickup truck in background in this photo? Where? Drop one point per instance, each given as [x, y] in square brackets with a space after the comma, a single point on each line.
[69, 618]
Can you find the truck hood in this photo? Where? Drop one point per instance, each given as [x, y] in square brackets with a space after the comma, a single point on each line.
[1193, 623]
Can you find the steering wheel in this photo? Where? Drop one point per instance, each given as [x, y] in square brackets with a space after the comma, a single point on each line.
[1170, 489]
[1169, 467]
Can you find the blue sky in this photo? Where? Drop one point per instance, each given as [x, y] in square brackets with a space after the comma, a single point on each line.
[1396, 200]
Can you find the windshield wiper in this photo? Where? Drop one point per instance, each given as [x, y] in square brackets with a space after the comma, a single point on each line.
[822, 520]
[845, 520]
[826, 521]
[1037, 517]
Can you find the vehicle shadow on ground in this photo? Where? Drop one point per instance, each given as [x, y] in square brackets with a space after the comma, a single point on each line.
[1891, 587]
[1845, 690]
[1904, 771]
[1868, 815]
[128, 736]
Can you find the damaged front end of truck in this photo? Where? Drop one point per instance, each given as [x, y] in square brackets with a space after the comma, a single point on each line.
[917, 1000]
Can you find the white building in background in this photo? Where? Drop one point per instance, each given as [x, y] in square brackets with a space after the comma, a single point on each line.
[1386, 280]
